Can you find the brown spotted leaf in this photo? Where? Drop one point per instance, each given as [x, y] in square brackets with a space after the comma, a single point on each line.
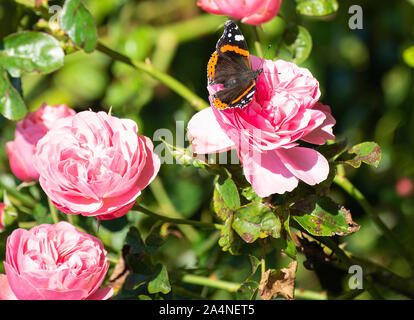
[321, 216]
[254, 221]
[279, 282]
[366, 152]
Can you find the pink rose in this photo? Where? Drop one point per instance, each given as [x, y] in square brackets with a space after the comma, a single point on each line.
[253, 12]
[2, 213]
[95, 164]
[28, 132]
[54, 262]
[266, 133]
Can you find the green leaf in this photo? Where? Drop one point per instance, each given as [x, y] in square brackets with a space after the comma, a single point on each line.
[366, 152]
[316, 8]
[248, 290]
[229, 241]
[250, 195]
[79, 24]
[289, 244]
[320, 216]
[227, 190]
[12, 105]
[160, 282]
[31, 51]
[134, 241]
[219, 206]
[255, 221]
[299, 42]
[185, 156]
[153, 241]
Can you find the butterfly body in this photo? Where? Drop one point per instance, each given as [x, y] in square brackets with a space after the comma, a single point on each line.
[230, 66]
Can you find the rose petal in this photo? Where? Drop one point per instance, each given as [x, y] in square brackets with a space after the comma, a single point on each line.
[267, 174]
[306, 164]
[6, 292]
[206, 135]
[324, 132]
[102, 294]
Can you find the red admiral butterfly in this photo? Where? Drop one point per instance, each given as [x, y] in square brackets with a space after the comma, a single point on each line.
[230, 66]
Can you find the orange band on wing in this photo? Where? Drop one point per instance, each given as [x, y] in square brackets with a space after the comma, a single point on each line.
[219, 104]
[244, 93]
[236, 49]
[211, 66]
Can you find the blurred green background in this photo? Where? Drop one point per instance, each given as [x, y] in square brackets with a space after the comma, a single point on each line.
[366, 76]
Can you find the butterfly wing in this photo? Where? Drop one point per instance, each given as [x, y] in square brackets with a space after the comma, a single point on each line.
[231, 56]
[237, 96]
[230, 66]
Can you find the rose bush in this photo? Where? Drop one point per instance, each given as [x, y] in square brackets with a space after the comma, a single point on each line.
[54, 262]
[95, 164]
[28, 132]
[285, 109]
[254, 12]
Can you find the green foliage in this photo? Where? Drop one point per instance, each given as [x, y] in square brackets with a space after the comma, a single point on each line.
[299, 43]
[31, 52]
[255, 221]
[366, 152]
[12, 105]
[79, 24]
[320, 216]
[209, 221]
[317, 8]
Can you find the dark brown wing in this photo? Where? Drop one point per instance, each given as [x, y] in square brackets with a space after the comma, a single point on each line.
[231, 56]
[238, 96]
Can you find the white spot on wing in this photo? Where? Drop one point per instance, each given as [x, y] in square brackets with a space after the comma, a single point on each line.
[239, 37]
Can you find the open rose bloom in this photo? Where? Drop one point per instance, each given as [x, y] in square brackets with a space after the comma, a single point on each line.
[266, 133]
[254, 12]
[28, 132]
[54, 262]
[95, 164]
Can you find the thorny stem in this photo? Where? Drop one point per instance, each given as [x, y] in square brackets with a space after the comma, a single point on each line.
[348, 187]
[138, 207]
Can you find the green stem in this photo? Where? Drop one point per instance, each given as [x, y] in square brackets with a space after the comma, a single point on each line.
[194, 100]
[24, 199]
[310, 295]
[346, 261]
[53, 211]
[347, 186]
[167, 207]
[350, 295]
[233, 287]
[140, 208]
[263, 261]
[27, 224]
[213, 283]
